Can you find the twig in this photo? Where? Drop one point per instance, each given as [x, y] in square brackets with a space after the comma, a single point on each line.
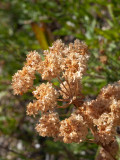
[69, 88]
[64, 106]
[59, 89]
[64, 100]
[63, 84]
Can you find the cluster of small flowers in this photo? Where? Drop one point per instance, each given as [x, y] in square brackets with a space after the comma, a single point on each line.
[51, 67]
[23, 79]
[68, 64]
[49, 125]
[75, 63]
[73, 129]
[104, 113]
[46, 97]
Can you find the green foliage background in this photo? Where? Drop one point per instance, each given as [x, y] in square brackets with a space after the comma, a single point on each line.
[95, 22]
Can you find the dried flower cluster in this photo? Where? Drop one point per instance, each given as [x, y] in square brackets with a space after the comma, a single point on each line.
[68, 64]
[49, 125]
[73, 129]
[104, 113]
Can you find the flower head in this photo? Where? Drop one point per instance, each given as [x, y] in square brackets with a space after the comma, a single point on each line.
[68, 64]
[48, 125]
[33, 60]
[23, 80]
[73, 129]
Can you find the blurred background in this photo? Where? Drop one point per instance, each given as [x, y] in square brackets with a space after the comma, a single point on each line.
[27, 25]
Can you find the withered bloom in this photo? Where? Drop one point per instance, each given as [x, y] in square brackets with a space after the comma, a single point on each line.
[68, 64]
[73, 129]
[48, 125]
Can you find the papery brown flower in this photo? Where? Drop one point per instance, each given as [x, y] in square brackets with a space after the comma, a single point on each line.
[68, 64]
[33, 60]
[33, 108]
[73, 129]
[48, 125]
[47, 96]
[23, 80]
[74, 64]
[105, 128]
[53, 59]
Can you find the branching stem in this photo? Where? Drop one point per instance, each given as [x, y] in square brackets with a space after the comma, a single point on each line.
[63, 84]
[64, 106]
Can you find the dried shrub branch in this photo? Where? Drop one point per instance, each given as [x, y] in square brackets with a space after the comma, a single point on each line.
[68, 65]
